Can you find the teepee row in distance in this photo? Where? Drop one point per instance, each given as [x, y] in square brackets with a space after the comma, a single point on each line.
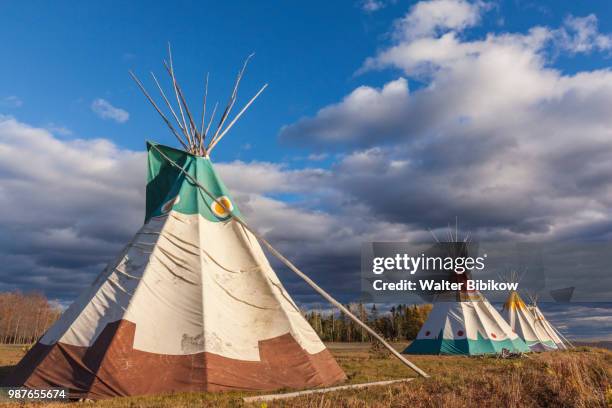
[464, 322]
[471, 326]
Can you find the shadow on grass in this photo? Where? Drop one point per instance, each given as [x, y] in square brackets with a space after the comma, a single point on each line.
[4, 371]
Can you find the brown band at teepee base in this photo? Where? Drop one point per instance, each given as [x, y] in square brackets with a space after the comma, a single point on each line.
[111, 367]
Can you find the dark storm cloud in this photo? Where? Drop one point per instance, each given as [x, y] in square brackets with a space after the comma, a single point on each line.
[583, 322]
[70, 207]
[67, 208]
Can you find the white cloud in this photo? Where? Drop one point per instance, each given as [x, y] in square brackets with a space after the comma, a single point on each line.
[370, 6]
[58, 129]
[495, 135]
[11, 101]
[262, 178]
[366, 111]
[317, 156]
[425, 56]
[428, 38]
[105, 110]
[430, 17]
[581, 34]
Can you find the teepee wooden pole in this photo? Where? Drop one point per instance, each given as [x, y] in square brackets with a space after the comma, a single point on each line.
[562, 336]
[218, 138]
[212, 117]
[333, 301]
[170, 70]
[193, 130]
[146, 94]
[204, 112]
[233, 96]
[163, 94]
[192, 125]
[274, 397]
[296, 270]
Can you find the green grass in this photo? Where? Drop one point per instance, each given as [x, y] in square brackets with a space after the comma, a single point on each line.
[577, 378]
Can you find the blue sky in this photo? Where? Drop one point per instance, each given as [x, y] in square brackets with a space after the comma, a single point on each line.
[69, 54]
[63, 55]
[383, 119]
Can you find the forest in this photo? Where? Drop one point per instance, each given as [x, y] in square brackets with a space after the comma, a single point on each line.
[24, 317]
[400, 322]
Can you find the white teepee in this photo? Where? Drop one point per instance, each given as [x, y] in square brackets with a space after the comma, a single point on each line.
[544, 326]
[463, 321]
[523, 321]
[191, 303]
[468, 327]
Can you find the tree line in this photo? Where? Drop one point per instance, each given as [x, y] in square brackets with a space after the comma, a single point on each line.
[24, 317]
[401, 322]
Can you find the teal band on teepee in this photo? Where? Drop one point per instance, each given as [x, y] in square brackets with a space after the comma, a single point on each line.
[168, 188]
[465, 346]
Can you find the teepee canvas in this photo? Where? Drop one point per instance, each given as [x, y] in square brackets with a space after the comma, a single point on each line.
[465, 327]
[524, 323]
[463, 321]
[190, 304]
[544, 326]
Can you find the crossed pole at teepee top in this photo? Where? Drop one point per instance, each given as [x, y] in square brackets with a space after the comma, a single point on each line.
[294, 268]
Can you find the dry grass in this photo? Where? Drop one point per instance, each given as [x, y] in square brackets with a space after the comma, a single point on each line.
[9, 355]
[578, 378]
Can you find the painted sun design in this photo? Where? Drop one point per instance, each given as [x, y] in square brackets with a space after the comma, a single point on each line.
[222, 207]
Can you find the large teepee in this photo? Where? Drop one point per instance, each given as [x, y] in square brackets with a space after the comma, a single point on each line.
[462, 321]
[191, 303]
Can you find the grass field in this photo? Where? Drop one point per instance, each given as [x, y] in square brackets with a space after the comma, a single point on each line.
[578, 378]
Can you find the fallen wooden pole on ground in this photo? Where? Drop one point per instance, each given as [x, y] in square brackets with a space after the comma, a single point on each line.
[271, 397]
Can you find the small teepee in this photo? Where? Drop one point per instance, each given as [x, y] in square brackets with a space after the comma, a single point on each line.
[524, 323]
[545, 327]
[191, 303]
[468, 327]
[462, 321]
